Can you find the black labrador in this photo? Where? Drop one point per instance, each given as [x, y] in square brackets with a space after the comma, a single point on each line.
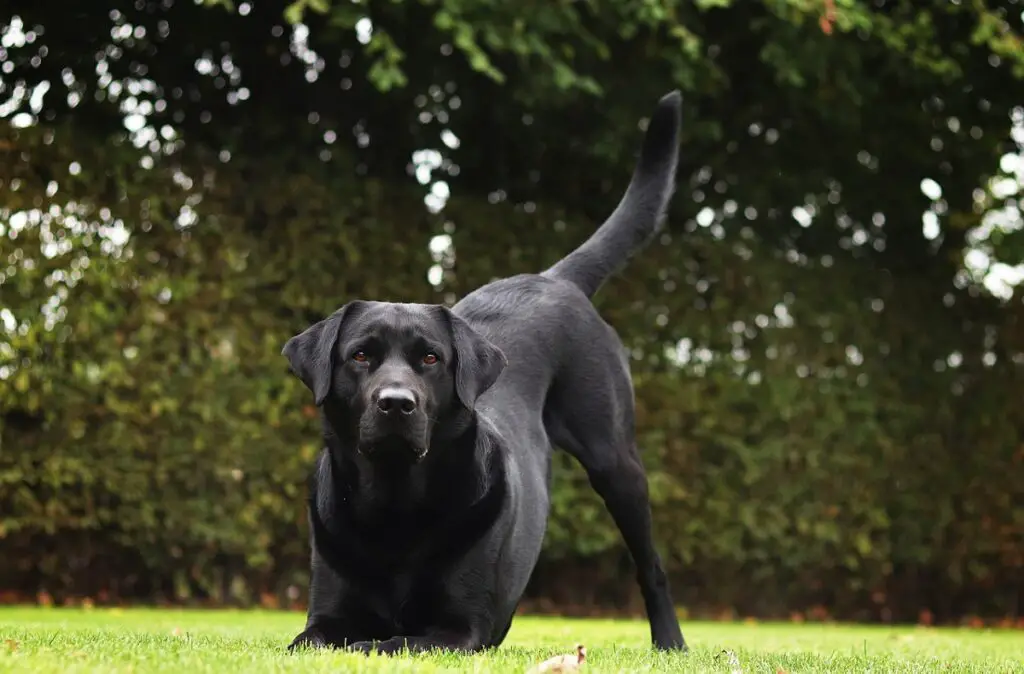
[429, 503]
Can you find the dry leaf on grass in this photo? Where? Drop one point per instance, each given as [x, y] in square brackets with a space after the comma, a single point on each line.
[562, 663]
[734, 662]
[11, 644]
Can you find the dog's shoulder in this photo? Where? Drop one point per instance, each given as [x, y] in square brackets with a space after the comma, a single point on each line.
[509, 301]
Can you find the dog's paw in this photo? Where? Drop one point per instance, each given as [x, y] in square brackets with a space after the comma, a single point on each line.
[311, 638]
[392, 646]
[672, 644]
[387, 647]
[364, 647]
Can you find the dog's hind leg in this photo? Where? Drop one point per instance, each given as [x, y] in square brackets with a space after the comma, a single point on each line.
[589, 414]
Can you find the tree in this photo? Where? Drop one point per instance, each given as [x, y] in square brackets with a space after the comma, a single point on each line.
[825, 395]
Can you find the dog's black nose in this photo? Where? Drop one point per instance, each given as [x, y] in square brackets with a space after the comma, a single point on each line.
[394, 399]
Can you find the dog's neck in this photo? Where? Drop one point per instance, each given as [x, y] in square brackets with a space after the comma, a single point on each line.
[375, 493]
[409, 519]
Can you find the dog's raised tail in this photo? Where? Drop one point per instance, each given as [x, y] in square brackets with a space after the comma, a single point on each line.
[641, 211]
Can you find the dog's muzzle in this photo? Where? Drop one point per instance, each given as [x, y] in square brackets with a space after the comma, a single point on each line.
[394, 424]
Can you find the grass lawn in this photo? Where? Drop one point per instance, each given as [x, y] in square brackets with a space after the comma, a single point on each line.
[142, 640]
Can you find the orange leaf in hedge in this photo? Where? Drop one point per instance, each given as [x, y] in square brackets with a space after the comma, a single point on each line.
[828, 18]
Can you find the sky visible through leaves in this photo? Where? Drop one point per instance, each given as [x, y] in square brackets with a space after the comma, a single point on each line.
[137, 99]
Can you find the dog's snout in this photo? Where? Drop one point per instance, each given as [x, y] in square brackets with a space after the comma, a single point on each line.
[395, 399]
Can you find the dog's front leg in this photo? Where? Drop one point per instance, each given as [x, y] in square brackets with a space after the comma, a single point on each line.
[330, 622]
[438, 641]
[325, 633]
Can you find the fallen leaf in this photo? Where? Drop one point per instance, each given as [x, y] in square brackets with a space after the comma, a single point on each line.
[562, 663]
[733, 661]
[11, 644]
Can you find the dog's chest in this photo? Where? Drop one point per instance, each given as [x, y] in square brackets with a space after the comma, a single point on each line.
[400, 602]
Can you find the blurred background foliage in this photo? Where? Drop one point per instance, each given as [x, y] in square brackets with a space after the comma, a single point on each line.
[828, 342]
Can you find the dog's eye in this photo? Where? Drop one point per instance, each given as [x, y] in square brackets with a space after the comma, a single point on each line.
[359, 356]
[430, 359]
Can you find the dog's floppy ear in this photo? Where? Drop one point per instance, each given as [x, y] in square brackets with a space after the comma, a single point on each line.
[310, 353]
[478, 361]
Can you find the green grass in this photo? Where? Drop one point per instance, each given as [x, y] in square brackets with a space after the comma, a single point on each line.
[145, 640]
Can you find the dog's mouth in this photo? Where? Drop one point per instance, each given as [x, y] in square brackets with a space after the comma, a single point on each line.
[404, 440]
[393, 449]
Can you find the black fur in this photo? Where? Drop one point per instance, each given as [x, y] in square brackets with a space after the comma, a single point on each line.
[640, 213]
[430, 500]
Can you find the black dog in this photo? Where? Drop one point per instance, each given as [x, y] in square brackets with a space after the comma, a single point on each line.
[430, 500]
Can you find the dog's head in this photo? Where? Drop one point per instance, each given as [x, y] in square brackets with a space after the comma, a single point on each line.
[393, 372]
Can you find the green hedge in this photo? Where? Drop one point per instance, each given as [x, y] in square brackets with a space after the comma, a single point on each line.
[154, 446]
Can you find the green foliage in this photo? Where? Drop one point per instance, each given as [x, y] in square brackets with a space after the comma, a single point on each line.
[562, 40]
[843, 430]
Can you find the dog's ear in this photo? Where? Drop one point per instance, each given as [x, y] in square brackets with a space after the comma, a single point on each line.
[478, 361]
[310, 353]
